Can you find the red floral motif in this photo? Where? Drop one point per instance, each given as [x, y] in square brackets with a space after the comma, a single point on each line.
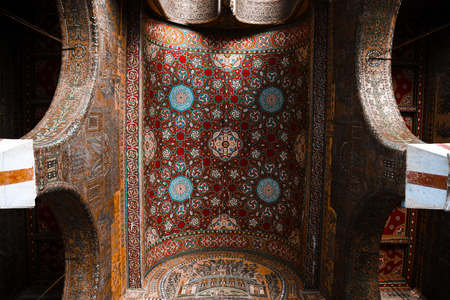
[166, 249]
[283, 251]
[223, 240]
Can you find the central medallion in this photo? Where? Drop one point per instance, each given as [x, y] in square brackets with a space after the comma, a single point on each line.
[268, 190]
[271, 99]
[181, 97]
[225, 144]
[180, 188]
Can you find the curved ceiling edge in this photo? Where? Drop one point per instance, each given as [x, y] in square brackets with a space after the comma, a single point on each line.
[223, 15]
[190, 11]
[264, 12]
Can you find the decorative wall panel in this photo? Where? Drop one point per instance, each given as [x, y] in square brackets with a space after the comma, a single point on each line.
[225, 141]
[403, 85]
[396, 226]
[391, 264]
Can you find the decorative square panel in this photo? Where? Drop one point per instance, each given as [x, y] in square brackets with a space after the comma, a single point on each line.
[403, 85]
[391, 263]
[396, 229]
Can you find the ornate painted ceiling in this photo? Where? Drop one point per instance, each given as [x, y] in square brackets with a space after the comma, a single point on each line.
[226, 136]
[226, 127]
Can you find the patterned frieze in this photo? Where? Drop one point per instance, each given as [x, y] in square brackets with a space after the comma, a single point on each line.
[224, 239]
[181, 38]
[132, 147]
[317, 146]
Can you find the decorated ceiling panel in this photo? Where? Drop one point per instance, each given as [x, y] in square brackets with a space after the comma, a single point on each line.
[225, 139]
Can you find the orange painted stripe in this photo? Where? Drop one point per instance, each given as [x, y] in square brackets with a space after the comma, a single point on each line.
[445, 146]
[426, 179]
[16, 176]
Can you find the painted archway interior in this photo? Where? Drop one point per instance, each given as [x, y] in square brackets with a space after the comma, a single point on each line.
[225, 143]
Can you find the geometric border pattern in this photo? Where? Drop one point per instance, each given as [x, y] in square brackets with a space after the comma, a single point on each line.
[223, 239]
[132, 146]
[317, 147]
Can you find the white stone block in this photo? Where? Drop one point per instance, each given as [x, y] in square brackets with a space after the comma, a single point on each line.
[17, 174]
[427, 173]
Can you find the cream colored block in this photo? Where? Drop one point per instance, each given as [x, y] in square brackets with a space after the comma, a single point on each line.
[17, 174]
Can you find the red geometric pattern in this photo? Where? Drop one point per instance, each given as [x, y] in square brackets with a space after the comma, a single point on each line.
[283, 251]
[165, 249]
[403, 84]
[226, 74]
[396, 227]
[223, 240]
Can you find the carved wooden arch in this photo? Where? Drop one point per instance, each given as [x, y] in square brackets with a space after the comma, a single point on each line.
[73, 94]
[374, 36]
[80, 242]
[374, 80]
[363, 244]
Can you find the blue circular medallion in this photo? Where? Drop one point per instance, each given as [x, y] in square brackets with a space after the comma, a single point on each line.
[268, 190]
[181, 97]
[271, 99]
[180, 188]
